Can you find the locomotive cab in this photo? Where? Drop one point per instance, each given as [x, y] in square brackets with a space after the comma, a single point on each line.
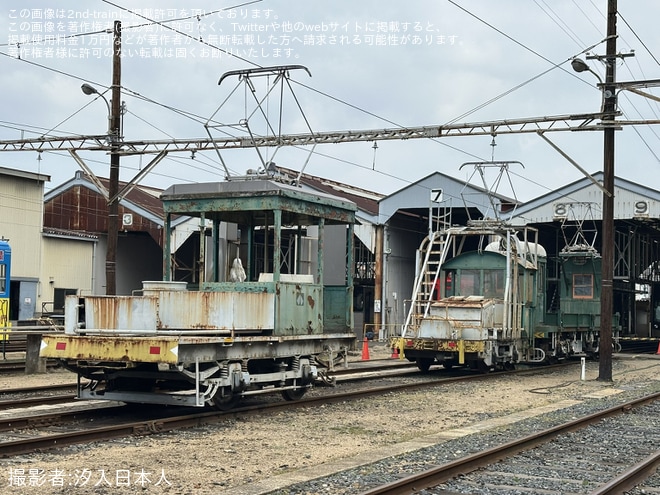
[572, 320]
[494, 307]
[484, 301]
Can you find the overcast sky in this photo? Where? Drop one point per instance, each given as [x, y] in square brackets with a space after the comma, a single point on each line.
[373, 64]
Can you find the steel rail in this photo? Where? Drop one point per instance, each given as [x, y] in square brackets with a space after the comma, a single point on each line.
[33, 389]
[58, 417]
[414, 483]
[34, 401]
[149, 426]
[630, 478]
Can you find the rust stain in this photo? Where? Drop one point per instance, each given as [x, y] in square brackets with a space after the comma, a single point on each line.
[310, 301]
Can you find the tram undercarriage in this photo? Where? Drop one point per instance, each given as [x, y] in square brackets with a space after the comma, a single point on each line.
[289, 366]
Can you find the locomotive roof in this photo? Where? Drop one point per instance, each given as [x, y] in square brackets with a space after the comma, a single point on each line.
[249, 200]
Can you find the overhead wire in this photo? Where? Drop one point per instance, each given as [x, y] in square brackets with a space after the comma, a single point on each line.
[573, 37]
[190, 115]
[648, 101]
[47, 38]
[588, 17]
[195, 117]
[199, 118]
[353, 106]
[638, 38]
[184, 34]
[505, 93]
[559, 22]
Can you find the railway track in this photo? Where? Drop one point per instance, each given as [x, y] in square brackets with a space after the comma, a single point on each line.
[172, 420]
[35, 401]
[574, 457]
[14, 398]
[375, 370]
[14, 365]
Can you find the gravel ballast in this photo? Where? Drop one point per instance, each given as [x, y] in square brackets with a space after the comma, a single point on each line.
[336, 449]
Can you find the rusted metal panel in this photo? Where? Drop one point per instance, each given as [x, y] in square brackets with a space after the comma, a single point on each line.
[300, 309]
[467, 319]
[230, 311]
[213, 349]
[127, 313]
[230, 200]
[445, 345]
[113, 349]
[180, 310]
[81, 208]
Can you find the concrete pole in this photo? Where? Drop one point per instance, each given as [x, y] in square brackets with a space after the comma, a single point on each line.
[113, 187]
[607, 252]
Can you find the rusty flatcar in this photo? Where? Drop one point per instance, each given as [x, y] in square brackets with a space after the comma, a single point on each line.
[270, 323]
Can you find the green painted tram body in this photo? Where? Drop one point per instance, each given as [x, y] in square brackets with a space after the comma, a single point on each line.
[482, 298]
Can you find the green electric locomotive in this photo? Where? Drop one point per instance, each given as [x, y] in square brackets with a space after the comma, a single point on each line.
[482, 299]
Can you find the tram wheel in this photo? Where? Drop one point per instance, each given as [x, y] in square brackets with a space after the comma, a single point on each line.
[225, 402]
[424, 364]
[482, 367]
[294, 394]
[509, 366]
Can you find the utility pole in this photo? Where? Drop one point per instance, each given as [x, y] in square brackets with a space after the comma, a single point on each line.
[607, 288]
[113, 187]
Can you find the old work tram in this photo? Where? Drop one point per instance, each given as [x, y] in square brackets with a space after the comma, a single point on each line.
[481, 298]
[270, 325]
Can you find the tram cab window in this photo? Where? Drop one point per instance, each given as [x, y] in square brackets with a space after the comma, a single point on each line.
[493, 284]
[583, 286]
[3, 278]
[450, 286]
[470, 283]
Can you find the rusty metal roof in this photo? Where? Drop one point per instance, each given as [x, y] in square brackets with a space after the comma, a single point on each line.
[143, 200]
[78, 206]
[73, 234]
[237, 201]
[365, 200]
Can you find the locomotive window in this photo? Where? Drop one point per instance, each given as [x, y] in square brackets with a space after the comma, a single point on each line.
[493, 283]
[450, 276]
[583, 286]
[470, 283]
[3, 278]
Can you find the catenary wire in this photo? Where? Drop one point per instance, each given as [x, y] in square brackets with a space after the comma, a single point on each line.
[166, 106]
[559, 22]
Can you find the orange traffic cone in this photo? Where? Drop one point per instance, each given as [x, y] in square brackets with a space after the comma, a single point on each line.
[365, 350]
[395, 352]
[658, 351]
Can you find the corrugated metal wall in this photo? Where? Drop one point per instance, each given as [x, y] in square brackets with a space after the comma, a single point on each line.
[85, 210]
[21, 203]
